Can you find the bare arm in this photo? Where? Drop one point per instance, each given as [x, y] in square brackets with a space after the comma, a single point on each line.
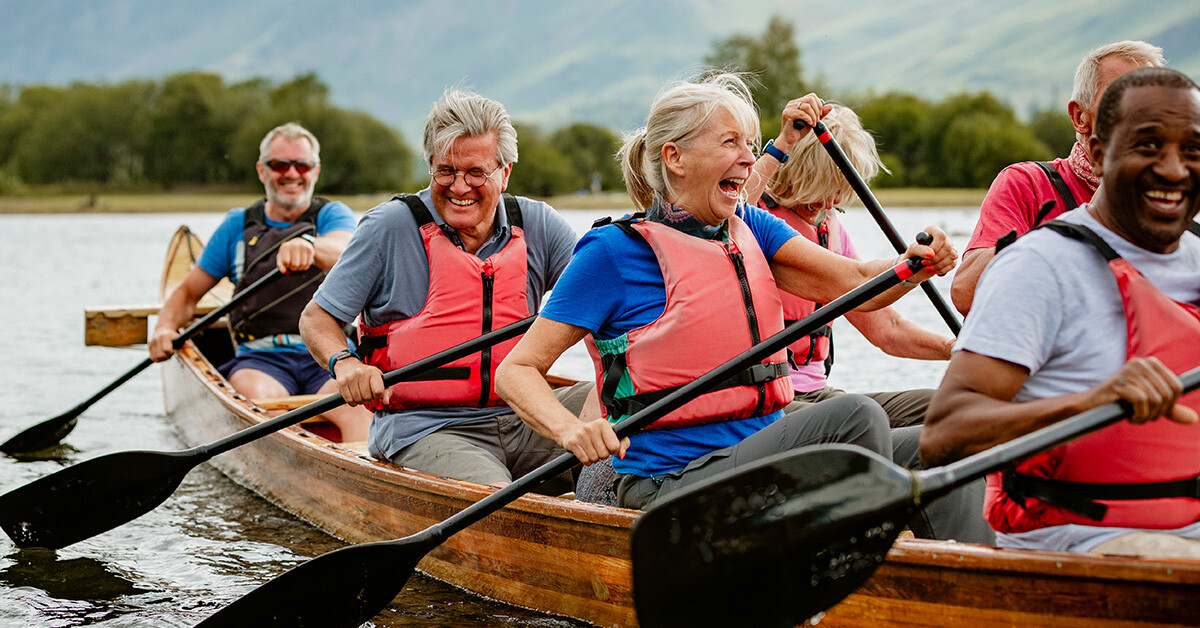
[895, 335]
[323, 335]
[300, 254]
[807, 270]
[808, 109]
[179, 308]
[962, 287]
[973, 408]
[520, 380]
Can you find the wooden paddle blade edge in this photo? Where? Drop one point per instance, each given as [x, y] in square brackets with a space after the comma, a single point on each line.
[91, 497]
[343, 588]
[771, 544]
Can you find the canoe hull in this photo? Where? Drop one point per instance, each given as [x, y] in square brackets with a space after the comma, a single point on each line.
[543, 553]
[567, 558]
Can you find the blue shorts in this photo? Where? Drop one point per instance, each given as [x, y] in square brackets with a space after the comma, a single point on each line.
[297, 371]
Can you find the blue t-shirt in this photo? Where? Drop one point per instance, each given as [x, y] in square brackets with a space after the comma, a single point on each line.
[224, 254]
[613, 285]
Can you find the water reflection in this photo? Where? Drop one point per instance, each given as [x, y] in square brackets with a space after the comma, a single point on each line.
[213, 541]
[66, 579]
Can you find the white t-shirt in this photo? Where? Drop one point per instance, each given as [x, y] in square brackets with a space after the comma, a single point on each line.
[1049, 303]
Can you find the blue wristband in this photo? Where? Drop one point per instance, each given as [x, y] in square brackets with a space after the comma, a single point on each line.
[333, 360]
[779, 155]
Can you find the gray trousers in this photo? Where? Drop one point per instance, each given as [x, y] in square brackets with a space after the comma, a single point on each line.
[903, 407]
[496, 450]
[851, 419]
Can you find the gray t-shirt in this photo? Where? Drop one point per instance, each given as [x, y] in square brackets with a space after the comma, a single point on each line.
[1050, 303]
[384, 275]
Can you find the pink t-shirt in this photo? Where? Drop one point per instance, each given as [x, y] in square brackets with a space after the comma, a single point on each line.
[1016, 197]
[811, 376]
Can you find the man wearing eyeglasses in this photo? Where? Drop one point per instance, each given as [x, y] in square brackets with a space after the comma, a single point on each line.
[432, 270]
[293, 232]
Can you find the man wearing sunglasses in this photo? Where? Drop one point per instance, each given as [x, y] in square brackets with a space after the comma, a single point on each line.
[432, 270]
[293, 232]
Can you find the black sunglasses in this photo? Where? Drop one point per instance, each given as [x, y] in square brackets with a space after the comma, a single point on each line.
[281, 165]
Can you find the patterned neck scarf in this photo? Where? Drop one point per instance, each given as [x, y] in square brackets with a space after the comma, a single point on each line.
[1082, 166]
[679, 218]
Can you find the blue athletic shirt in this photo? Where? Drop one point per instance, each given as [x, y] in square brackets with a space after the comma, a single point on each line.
[613, 285]
[224, 254]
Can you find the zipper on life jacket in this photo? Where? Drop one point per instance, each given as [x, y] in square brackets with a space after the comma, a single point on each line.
[739, 266]
[485, 356]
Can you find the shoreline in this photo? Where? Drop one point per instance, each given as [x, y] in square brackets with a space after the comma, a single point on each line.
[192, 202]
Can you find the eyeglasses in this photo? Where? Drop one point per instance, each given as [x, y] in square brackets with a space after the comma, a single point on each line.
[474, 177]
[281, 166]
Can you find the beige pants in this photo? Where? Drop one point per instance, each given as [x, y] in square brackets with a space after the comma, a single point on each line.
[1150, 544]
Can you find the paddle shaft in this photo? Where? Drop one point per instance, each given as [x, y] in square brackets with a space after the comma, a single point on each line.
[939, 480]
[352, 584]
[872, 204]
[826, 314]
[99, 494]
[508, 332]
[178, 342]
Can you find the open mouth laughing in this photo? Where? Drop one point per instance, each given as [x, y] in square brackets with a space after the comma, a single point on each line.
[732, 187]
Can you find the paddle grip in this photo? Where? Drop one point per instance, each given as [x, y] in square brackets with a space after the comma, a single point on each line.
[876, 209]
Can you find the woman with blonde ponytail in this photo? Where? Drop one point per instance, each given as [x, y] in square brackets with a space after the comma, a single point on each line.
[662, 304]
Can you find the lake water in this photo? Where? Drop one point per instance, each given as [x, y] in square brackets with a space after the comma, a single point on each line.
[213, 541]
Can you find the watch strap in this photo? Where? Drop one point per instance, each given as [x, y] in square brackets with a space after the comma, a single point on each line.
[333, 360]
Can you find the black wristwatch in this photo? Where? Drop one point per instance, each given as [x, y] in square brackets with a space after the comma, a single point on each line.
[333, 360]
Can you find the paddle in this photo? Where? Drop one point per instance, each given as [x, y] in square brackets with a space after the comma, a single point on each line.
[51, 431]
[349, 586]
[872, 204]
[100, 494]
[776, 543]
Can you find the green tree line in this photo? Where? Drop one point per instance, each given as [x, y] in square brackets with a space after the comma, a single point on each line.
[194, 129]
[189, 129]
[963, 140]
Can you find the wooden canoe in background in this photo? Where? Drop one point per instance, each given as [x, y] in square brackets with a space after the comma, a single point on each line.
[121, 326]
[570, 558]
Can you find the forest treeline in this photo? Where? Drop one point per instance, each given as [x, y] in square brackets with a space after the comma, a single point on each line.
[195, 130]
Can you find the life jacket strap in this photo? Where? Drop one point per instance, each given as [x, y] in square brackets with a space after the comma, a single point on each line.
[1082, 497]
[370, 344]
[755, 375]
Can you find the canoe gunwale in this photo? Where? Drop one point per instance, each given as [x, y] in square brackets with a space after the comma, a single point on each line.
[961, 582]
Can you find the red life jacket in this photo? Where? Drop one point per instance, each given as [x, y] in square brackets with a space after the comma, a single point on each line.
[1124, 475]
[467, 297]
[704, 324]
[817, 346]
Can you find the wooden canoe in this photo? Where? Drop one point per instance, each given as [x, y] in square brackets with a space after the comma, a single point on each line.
[569, 558]
[126, 325]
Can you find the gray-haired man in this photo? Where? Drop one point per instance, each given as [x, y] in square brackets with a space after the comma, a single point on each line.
[1029, 193]
[289, 230]
[431, 270]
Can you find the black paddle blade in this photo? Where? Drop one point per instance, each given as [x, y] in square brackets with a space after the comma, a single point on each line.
[771, 544]
[91, 497]
[346, 587]
[46, 434]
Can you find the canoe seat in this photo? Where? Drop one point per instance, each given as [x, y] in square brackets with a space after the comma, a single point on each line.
[287, 403]
[358, 446]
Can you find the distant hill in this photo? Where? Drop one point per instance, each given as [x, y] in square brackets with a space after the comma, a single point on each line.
[552, 62]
